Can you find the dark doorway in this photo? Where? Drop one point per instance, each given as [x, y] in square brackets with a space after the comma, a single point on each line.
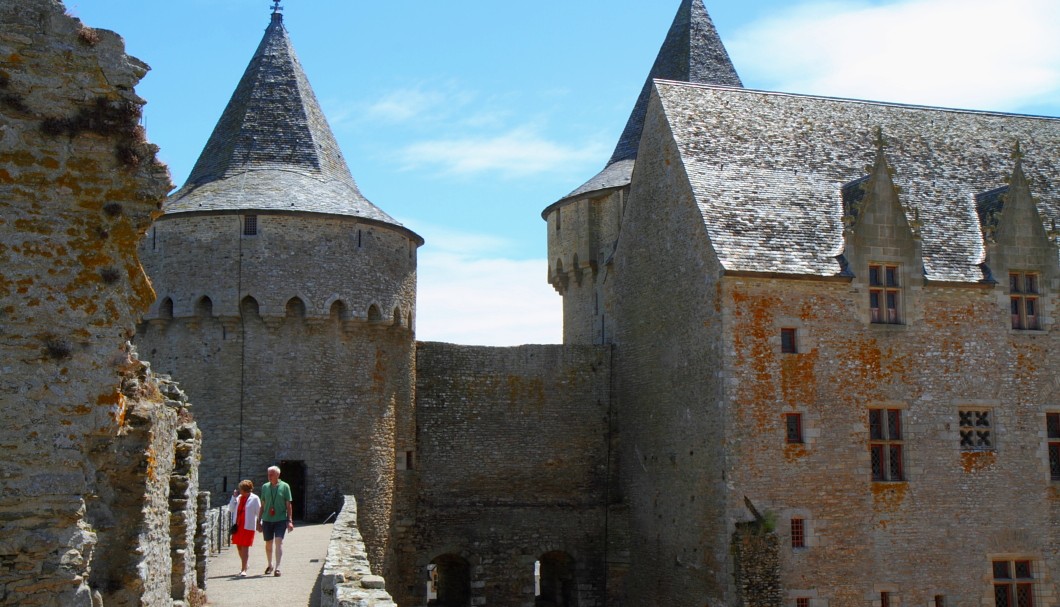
[293, 473]
[450, 582]
[557, 581]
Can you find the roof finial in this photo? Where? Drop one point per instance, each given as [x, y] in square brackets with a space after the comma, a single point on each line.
[880, 141]
[276, 8]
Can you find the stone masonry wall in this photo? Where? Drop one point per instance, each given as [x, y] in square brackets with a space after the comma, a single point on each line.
[347, 579]
[287, 361]
[937, 531]
[667, 360]
[511, 463]
[87, 436]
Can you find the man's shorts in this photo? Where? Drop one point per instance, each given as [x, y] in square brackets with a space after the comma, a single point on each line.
[271, 529]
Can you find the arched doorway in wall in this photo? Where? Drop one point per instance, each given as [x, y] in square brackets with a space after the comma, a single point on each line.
[556, 584]
[450, 582]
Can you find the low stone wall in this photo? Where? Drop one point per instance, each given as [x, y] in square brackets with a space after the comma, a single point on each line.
[347, 580]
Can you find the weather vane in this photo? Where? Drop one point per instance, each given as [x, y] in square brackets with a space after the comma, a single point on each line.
[276, 6]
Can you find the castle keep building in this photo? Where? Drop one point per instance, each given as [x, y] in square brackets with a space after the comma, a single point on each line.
[808, 361]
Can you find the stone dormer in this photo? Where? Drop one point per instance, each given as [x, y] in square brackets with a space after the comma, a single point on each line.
[882, 249]
[1021, 254]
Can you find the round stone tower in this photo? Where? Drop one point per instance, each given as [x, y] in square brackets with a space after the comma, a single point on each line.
[286, 305]
[584, 226]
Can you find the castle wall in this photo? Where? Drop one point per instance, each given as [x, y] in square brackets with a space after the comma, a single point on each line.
[322, 384]
[511, 465]
[668, 394]
[89, 437]
[935, 533]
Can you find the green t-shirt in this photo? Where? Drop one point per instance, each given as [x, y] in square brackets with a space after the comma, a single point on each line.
[275, 499]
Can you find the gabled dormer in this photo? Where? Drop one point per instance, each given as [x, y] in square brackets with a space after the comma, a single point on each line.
[882, 250]
[1021, 256]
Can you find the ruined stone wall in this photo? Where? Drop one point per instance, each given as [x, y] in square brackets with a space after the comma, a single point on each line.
[667, 361]
[87, 434]
[511, 464]
[320, 382]
[936, 532]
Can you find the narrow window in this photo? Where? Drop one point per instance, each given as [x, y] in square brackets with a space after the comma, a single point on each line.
[798, 533]
[250, 225]
[788, 345]
[559, 219]
[793, 427]
[885, 599]
[975, 430]
[884, 294]
[940, 600]
[885, 444]
[358, 239]
[1023, 300]
[1013, 584]
[1052, 427]
[802, 601]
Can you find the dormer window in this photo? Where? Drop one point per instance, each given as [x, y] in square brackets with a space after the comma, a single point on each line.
[884, 294]
[1023, 300]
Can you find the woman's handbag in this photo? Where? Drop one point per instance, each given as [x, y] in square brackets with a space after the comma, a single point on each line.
[233, 530]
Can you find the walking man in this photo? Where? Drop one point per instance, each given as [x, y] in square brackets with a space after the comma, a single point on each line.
[275, 518]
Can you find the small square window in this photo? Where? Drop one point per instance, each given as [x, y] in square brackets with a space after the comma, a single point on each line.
[976, 430]
[250, 225]
[940, 600]
[802, 601]
[788, 343]
[793, 427]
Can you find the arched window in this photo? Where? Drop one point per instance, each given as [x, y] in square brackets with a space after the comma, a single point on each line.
[556, 585]
[450, 582]
[373, 314]
[295, 308]
[397, 317]
[165, 309]
[204, 309]
[249, 307]
[339, 311]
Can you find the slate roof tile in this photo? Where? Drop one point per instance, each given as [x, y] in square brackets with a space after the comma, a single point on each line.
[768, 172]
[272, 148]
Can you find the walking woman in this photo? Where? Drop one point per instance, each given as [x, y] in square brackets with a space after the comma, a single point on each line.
[244, 508]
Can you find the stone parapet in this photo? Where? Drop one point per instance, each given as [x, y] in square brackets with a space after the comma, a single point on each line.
[347, 580]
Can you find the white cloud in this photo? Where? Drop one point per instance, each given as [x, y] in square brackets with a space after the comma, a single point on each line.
[957, 53]
[486, 301]
[519, 152]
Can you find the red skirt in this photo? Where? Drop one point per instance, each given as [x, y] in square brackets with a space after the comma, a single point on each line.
[243, 537]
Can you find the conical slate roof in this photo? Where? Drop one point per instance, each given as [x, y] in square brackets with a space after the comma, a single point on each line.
[692, 52]
[272, 149]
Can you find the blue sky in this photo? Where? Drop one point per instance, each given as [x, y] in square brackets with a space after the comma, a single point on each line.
[463, 119]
